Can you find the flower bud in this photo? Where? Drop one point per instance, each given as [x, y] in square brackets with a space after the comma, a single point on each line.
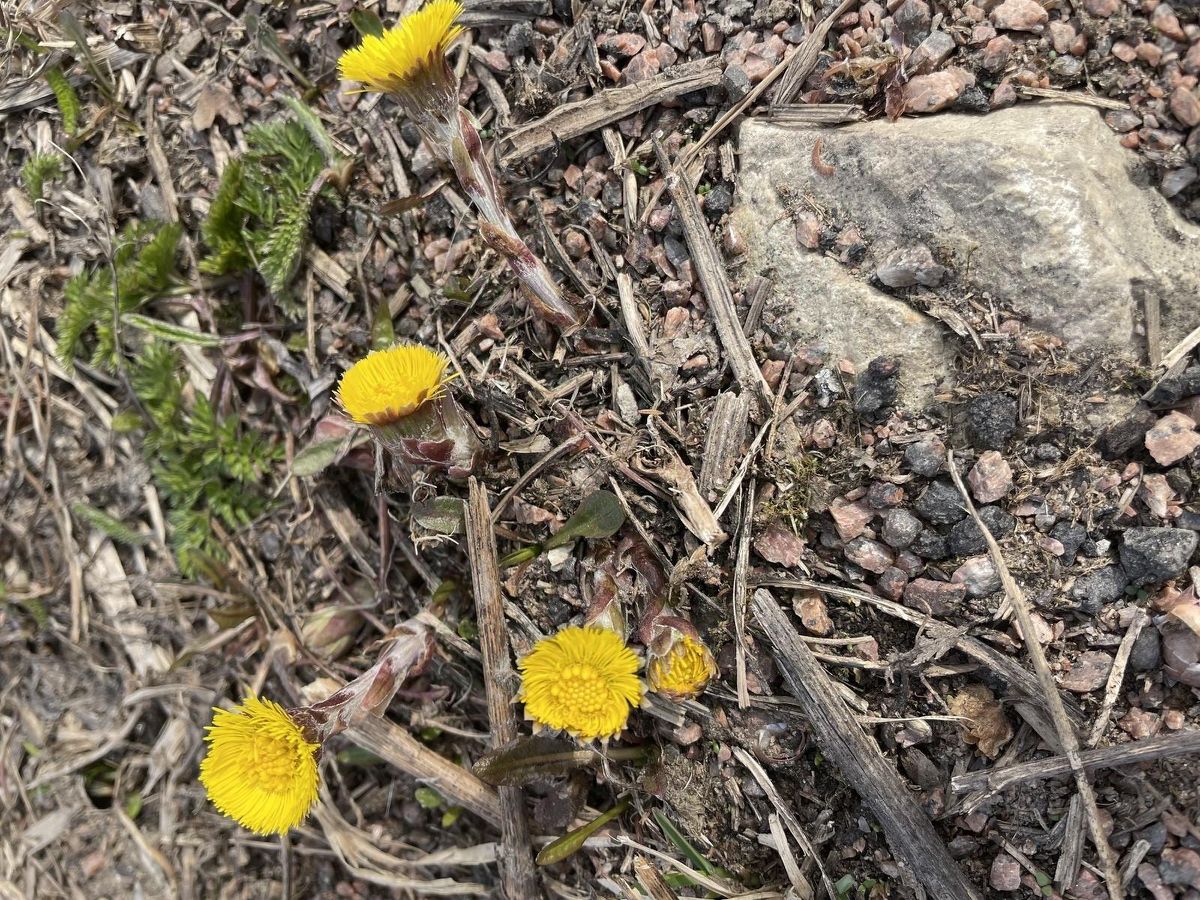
[683, 668]
[330, 632]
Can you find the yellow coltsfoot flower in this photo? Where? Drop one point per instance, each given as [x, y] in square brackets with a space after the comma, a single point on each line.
[409, 62]
[387, 385]
[400, 393]
[684, 670]
[260, 769]
[582, 681]
[409, 58]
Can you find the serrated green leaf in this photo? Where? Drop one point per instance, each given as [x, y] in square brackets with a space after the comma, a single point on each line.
[314, 126]
[114, 528]
[600, 515]
[168, 331]
[38, 170]
[65, 97]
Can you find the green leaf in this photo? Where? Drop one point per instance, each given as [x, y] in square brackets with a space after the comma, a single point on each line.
[443, 515]
[600, 515]
[319, 455]
[168, 331]
[39, 169]
[366, 23]
[428, 798]
[521, 555]
[383, 333]
[675, 836]
[102, 74]
[527, 758]
[114, 528]
[65, 97]
[451, 815]
[133, 804]
[571, 842]
[314, 126]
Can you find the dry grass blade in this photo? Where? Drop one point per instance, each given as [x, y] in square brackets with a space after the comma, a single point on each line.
[713, 280]
[1062, 724]
[361, 856]
[516, 861]
[741, 569]
[1070, 97]
[573, 119]
[649, 879]
[784, 812]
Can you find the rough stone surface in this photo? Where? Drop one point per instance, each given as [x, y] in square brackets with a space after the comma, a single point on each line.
[909, 266]
[1040, 199]
[1095, 589]
[991, 420]
[1172, 438]
[965, 538]
[940, 504]
[978, 574]
[929, 545]
[900, 528]
[1155, 554]
[926, 458]
[990, 478]
[1020, 15]
[1122, 436]
[1146, 655]
[1088, 672]
[870, 555]
[932, 93]
[934, 597]
[1071, 536]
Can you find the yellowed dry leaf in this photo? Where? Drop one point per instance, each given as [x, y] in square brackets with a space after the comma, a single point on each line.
[986, 726]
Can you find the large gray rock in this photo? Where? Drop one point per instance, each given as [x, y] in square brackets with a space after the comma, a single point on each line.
[1034, 206]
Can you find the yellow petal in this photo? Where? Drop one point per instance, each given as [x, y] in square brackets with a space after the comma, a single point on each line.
[582, 681]
[260, 770]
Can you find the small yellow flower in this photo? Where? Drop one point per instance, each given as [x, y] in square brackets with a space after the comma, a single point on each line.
[260, 770]
[388, 385]
[683, 671]
[407, 52]
[582, 681]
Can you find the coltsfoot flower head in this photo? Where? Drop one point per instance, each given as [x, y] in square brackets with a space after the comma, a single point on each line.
[409, 59]
[684, 670]
[387, 385]
[260, 769]
[582, 681]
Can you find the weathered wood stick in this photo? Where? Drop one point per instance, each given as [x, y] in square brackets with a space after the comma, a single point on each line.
[996, 780]
[909, 832]
[397, 747]
[517, 874]
[573, 119]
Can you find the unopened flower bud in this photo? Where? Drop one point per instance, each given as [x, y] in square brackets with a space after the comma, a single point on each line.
[683, 669]
[330, 632]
